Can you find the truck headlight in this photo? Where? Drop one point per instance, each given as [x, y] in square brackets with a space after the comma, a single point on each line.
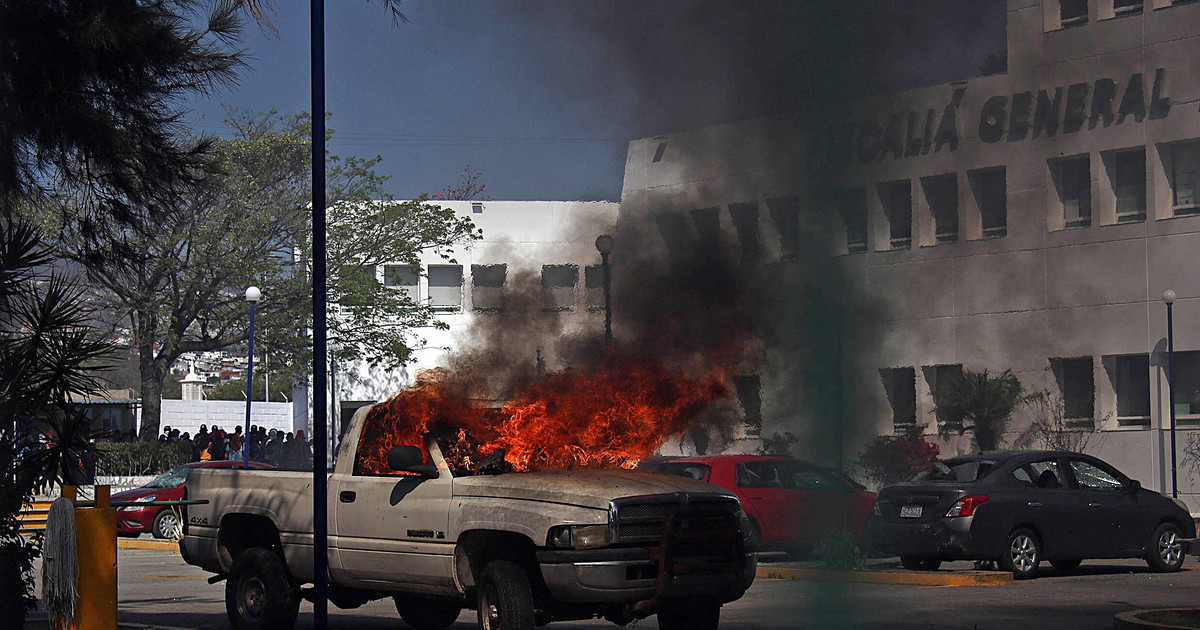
[579, 536]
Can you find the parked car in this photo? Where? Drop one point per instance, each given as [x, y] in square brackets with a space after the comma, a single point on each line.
[791, 503]
[1019, 508]
[160, 520]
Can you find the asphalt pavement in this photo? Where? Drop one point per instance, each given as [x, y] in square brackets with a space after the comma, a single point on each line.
[157, 588]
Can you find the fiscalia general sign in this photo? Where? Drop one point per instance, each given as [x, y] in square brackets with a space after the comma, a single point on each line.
[1010, 117]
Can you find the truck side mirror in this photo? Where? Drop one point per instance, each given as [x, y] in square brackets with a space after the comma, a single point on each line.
[409, 459]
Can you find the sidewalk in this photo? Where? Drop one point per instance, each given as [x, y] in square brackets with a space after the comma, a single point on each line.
[881, 571]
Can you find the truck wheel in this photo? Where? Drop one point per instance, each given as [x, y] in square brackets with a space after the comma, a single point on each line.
[505, 599]
[259, 594]
[427, 614]
[689, 615]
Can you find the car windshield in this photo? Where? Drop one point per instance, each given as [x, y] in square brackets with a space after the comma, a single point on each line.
[171, 479]
[955, 471]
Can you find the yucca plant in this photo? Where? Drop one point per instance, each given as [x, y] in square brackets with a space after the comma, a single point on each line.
[978, 402]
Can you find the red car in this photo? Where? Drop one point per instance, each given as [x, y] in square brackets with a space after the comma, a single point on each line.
[790, 502]
[161, 520]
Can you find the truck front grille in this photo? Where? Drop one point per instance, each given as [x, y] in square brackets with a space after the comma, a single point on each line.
[642, 520]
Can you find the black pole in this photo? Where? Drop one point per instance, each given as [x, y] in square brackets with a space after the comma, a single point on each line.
[607, 297]
[320, 435]
[249, 392]
[1171, 396]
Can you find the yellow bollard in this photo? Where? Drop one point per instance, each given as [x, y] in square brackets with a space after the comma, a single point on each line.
[96, 539]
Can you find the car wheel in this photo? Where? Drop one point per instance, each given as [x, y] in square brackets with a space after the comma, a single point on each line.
[920, 563]
[166, 525]
[1068, 564]
[689, 615]
[260, 594]
[505, 600]
[1165, 553]
[427, 614]
[1022, 554]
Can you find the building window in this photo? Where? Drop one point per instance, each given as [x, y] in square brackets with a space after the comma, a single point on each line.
[749, 391]
[1129, 184]
[852, 204]
[1187, 385]
[991, 197]
[1073, 181]
[708, 228]
[900, 385]
[896, 198]
[487, 286]
[785, 214]
[402, 278]
[1185, 163]
[477, 207]
[939, 378]
[445, 287]
[593, 285]
[1131, 381]
[1078, 389]
[659, 151]
[941, 193]
[1125, 7]
[745, 222]
[1073, 12]
[558, 287]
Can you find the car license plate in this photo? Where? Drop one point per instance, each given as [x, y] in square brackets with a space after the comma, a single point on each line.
[910, 511]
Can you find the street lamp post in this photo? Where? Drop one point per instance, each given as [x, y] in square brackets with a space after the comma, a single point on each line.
[604, 245]
[252, 296]
[1168, 298]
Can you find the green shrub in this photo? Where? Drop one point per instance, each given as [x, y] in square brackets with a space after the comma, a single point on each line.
[890, 459]
[140, 458]
[839, 551]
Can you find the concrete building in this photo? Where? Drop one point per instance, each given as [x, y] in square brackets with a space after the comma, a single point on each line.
[544, 246]
[1029, 220]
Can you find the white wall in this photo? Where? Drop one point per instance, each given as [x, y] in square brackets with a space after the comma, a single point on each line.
[188, 415]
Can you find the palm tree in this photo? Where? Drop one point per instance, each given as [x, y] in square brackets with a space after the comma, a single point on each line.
[978, 402]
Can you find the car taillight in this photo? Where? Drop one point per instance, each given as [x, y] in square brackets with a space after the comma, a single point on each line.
[966, 505]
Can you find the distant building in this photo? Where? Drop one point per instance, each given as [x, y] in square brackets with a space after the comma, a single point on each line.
[1029, 220]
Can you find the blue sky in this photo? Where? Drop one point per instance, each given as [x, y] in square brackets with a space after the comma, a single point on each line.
[542, 97]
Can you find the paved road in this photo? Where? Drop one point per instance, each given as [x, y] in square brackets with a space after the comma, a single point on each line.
[158, 588]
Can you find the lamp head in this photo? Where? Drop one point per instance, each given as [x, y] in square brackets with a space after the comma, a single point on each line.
[253, 294]
[604, 244]
[1168, 297]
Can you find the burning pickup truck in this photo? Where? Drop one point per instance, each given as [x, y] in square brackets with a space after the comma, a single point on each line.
[413, 518]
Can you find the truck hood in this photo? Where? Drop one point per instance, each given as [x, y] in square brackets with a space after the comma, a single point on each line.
[588, 488]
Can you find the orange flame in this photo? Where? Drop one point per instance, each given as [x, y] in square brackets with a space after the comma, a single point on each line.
[612, 416]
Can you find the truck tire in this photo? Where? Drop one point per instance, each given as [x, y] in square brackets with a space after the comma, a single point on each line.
[689, 615]
[259, 593]
[427, 614]
[504, 597]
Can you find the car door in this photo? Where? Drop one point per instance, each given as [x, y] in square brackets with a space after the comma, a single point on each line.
[1109, 514]
[1051, 506]
[823, 503]
[769, 502]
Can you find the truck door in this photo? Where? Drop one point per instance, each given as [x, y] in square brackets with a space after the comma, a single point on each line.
[391, 529]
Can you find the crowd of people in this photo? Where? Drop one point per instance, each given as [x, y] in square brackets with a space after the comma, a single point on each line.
[274, 447]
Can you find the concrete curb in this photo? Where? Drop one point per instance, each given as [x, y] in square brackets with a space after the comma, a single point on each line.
[40, 621]
[1162, 619]
[148, 545]
[910, 578]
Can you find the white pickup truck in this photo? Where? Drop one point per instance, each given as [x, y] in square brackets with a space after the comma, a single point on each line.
[521, 548]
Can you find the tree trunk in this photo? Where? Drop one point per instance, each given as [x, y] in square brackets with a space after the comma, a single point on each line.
[152, 385]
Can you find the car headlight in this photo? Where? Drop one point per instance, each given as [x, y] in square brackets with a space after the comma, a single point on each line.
[146, 499]
[579, 536]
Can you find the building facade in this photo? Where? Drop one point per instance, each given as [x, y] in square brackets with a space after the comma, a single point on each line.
[1026, 221]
